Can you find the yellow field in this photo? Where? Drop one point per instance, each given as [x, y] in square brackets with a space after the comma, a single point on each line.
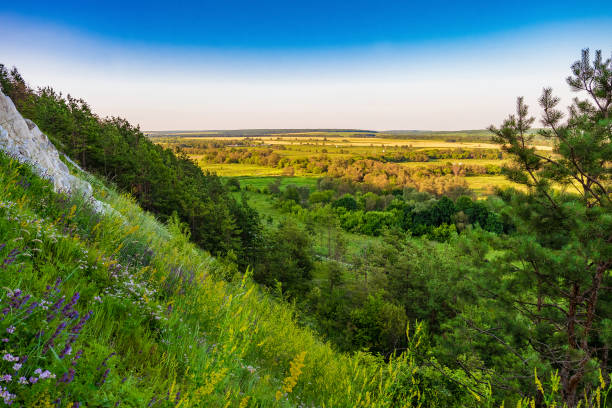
[240, 170]
[362, 142]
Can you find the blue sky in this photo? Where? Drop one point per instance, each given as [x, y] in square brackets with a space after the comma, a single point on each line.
[238, 64]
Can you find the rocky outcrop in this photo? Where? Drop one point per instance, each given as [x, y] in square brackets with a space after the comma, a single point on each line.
[21, 139]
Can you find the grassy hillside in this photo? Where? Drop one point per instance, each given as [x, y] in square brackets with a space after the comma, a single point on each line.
[124, 311]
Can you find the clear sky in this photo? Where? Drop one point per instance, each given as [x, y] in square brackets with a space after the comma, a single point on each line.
[227, 64]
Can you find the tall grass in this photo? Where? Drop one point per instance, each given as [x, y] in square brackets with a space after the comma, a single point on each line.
[142, 321]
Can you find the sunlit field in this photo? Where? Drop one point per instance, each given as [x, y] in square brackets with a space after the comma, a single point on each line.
[461, 150]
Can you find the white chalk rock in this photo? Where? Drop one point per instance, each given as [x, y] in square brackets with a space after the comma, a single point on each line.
[21, 139]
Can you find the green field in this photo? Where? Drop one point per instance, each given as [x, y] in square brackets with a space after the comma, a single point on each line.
[483, 185]
[240, 170]
[263, 182]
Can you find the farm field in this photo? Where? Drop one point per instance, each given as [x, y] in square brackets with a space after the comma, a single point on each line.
[239, 170]
[306, 156]
[355, 142]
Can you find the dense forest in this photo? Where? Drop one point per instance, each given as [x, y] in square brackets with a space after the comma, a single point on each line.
[512, 293]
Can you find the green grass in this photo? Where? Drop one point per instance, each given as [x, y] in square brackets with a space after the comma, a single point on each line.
[484, 185]
[168, 332]
[263, 182]
[240, 170]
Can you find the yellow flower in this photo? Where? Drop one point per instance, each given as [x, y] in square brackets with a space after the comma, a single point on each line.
[295, 370]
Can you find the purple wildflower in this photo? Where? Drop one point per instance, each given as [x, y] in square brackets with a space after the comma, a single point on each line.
[6, 378]
[103, 364]
[76, 329]
[45, 374]
[23, 381]
[51, 342]
[10, 258]
[33, 306]
[103, 379]
[68, 376]
[9, 357]
[67, 350]
[16, 366]
[6, 396]
[55, 308]
[33, 380]
[77, 356]
[68, 310]
[50, 289]
[10, 329]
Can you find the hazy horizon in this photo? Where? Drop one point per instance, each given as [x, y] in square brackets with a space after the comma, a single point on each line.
[331, 65]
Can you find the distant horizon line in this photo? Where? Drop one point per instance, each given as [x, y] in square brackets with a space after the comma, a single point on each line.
[297, 130]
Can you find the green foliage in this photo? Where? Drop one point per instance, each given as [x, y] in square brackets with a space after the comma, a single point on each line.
[556, 267]
[286, 259]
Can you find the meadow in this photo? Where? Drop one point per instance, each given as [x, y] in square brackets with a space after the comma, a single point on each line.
[314, 146]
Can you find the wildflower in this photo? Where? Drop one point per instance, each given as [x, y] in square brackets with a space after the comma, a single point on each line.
[55, 308]
[10, 329]
[103, 364]
[43, 375]
[50, 289]
[77, 356]
[6, 378]
[103, 379]
[6, 396]
[51, 342]
[9, 357]
[67, 350]
[68, 376]
[33, 306]
[76, 329]
[33, 380]
[10, 258]
[295, 370]
[98, 299]
[23, 381]
[5, 340]
[68, 310]
[16, 366]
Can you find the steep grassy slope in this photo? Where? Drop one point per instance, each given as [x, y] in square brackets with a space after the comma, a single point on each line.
[124, 311]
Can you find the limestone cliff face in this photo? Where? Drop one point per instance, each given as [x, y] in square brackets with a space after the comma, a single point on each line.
[21, 139]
